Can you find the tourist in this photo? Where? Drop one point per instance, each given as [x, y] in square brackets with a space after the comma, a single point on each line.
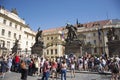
[72, 68]
[46, 70]
[53, 69]
[24, 70]
[63, 70]
[3, 67]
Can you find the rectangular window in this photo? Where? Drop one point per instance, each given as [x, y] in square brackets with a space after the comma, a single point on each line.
[9, 34]
[10, 24]
[47, 52]
[51, 38]
[26, 42]
[4, 21]
[8, 44]
[94, 34]
[51, 51]
[3, 32]
[20, 28]
[47, 38]
[14, 35]
[2, 43]
[55, 51]
[15, 26]
[20, 37]
[94, 41]
[27, 35]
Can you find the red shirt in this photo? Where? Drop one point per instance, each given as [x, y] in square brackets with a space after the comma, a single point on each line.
[17, 59]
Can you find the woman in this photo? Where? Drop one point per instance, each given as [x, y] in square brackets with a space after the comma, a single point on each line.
[9, 63]
[24, 71]
[63, 70]
[72, 68]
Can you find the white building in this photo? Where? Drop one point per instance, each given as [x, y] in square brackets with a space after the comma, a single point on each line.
[96, 34]
[12, 27]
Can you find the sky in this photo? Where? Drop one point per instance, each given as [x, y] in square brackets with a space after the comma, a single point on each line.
[56, 13]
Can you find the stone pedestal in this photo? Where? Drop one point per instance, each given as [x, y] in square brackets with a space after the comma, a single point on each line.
[73, 47]
[37, 48]
[114, 47]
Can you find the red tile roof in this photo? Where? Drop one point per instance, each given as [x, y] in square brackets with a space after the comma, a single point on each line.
[87, 25]
[92, 24]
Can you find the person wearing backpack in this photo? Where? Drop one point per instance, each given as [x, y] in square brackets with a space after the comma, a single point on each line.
[63, 70]
[114, 70]
[46, 70]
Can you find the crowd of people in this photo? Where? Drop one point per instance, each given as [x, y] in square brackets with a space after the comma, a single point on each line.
[34, 65]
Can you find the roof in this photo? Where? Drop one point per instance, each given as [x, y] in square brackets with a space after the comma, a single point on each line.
[53, 29]
[101, 23]
[93, 24]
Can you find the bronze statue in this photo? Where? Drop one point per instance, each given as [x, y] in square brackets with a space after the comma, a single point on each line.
[38, 35]
[111, 34]
[72, 32]
[15, 47]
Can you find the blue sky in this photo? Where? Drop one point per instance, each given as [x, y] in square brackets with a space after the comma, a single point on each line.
[56, 13]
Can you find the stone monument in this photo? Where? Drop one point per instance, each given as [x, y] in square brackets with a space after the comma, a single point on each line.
[37, 48]
[16, 48]
[113, 42]
[73, 44]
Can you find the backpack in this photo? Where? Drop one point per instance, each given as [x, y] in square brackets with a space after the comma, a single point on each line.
[115, 67]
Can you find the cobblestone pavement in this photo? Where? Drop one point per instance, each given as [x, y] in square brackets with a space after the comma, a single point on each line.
[79, 76]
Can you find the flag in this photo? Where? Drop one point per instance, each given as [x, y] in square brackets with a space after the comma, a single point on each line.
[62, 35]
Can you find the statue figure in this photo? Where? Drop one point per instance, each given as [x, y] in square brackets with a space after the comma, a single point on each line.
[15, 47]
[72, 32]
[111, 34]
[38, 35]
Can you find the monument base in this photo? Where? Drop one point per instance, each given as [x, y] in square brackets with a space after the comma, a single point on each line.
[114, 48]
[37, 48]
[73, 47]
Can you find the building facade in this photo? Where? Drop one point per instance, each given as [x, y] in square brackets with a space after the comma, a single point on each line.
[12, 27]
[93, 35]
[53, 42]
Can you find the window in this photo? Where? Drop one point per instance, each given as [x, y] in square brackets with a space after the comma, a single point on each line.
[47, 38]
[55, 51]
[15, 26]
[94, 34]
[19, 36]
[26, 42]
[51, 38]
[47, 52]
[51, 51]
[9, 34]
[10, 24]
[3, 32]
[2, 43]
[8, 44]
[32, 37]
[15, 35]
[94, 41]
[20, 28]
[4, 21]
[27, 35]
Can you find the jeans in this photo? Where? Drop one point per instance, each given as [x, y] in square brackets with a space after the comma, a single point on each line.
[63, 74]
[45, 75]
